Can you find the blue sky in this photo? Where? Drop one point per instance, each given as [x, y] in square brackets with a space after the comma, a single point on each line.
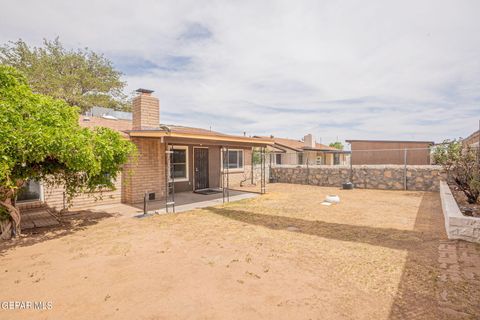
[349, 69]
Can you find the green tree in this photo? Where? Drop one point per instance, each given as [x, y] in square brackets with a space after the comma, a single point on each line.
[337, 145]
[82, 78]
[41, 139]
[462, 166]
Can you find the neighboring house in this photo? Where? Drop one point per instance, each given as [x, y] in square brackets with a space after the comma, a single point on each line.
[473, 139]
[390, 152]
[298, 152]
[200, 159]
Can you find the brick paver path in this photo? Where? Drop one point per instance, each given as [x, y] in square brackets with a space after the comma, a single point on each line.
[459, 279]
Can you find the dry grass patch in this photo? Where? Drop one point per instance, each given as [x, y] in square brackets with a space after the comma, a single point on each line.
[281, 255]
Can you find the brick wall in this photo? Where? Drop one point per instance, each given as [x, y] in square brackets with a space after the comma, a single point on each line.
[389, 177]
[146, 112]
[146, 173]
[53, 197]
[236, 178]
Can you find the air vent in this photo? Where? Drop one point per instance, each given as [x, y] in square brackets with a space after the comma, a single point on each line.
[151, 196]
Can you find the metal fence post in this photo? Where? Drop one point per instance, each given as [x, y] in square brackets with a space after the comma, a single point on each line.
[405, 169]
[351, 167]
[308, 168]
[145, 203]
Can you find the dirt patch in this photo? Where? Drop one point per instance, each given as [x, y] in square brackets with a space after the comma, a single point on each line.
[282, 255]
[468, 209]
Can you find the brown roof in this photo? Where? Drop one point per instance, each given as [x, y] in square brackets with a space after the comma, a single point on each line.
[391, 141]
[119, 125]
[125, 127]
[191, 130]
[297, 145]
[473, 138]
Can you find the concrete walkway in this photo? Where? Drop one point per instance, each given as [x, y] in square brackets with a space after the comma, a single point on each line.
[200, 204]
[136, 211]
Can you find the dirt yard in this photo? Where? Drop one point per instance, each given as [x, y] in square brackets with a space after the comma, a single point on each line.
[376, 255]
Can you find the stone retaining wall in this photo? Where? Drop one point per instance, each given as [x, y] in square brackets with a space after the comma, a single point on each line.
[389, 177]
[457, 225]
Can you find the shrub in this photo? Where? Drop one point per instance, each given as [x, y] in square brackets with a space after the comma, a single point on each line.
[462, 165]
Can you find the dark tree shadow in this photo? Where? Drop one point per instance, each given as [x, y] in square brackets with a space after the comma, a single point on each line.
[416, 296]
[70, 222]
[385, 237]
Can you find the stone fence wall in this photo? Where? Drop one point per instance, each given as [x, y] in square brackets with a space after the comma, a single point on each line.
[388, 177]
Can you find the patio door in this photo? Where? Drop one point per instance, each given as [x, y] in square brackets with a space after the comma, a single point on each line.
[201, 168]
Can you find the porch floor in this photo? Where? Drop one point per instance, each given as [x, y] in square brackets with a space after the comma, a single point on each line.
[190, 200]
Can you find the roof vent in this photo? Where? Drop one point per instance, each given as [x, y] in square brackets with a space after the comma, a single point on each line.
[107, 116]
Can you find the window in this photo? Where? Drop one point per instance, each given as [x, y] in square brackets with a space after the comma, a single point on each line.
[336, 158]
[31, 191]
[319, 160]
[300, 158]
[278, 158]
[234, 159]
[179, 162]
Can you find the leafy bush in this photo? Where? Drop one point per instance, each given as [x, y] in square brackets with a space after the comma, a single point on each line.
[41, 139]
[462, 165]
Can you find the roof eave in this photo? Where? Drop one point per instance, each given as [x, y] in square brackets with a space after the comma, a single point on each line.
[161, 133]
[392, 141]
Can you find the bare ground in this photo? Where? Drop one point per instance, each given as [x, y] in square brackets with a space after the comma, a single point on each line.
[377, 255]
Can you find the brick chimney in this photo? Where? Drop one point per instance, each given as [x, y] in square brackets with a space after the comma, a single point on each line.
[146, 110]
[309, 141]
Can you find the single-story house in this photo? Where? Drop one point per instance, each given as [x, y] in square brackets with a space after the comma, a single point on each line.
[473, 140]
[170, 157]
[301, 152]
[373, 152]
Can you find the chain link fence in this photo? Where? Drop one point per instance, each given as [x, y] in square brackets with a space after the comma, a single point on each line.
[399, 169]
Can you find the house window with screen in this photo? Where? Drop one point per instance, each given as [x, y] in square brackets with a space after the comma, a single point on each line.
[233, 160]
[336, 158]
[300, 158]
[179, 158]
[278, 158]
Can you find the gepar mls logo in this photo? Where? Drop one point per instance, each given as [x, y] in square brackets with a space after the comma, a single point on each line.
[26, 305]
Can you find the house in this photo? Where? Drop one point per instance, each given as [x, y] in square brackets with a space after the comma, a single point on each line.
[473, 140]
[302, 152]
[372, 152]
[170, 157]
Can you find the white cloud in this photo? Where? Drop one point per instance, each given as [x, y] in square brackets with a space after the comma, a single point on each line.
[352, 69]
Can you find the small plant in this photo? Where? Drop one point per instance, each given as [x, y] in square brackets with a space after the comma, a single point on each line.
[462, 166]
[337, 145]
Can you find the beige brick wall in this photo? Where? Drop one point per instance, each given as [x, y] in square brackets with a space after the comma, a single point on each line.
[146, 112]
[146, 173]
[53, 197]
[236, 177]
